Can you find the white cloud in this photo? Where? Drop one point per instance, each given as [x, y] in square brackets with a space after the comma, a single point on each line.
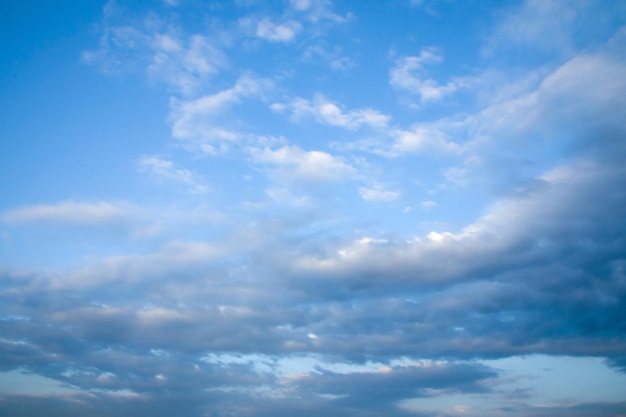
[167, 54]
[136, 222]
[196, 121]
[162, 168]
[421, 138]
[317, 10]
[275, 32]
[408, 74]
[283, 197]
[68, 212]
[378, 193]
[184, 64]
[327, 112]
[293, 163]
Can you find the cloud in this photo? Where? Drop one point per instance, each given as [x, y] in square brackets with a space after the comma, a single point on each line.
[274, 32]
[426, 138]
[196, 123]
[164, 169]
[408, 74]
[301, 306]
[581, 101]
[514, 282]
[294, 164]
[69, 212]
[184, 66]
[318, 10]
[327, 112]
[540, 27]
[527, 251]
[335, 58]
[378, 193]
[392, 383]
[166, 53]
[174, 257]
[421, 138]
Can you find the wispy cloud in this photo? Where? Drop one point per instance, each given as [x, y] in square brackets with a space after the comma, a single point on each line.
[326, 112]
[409, 74]
[197, 122]
[167, 54]
[69, 212]
[164, 169]
[277, 32]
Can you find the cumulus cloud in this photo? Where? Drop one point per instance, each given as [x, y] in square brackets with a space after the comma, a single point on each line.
[294, 164]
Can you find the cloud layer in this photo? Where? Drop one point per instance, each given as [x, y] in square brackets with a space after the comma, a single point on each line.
[307, 241]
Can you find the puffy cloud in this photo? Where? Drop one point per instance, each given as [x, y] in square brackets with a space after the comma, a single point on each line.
[294, 164]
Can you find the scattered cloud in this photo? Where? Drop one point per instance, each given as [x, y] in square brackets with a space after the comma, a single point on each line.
[167, 54]
[302, 286]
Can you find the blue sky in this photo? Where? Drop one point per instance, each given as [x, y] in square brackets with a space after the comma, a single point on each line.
[307, 207]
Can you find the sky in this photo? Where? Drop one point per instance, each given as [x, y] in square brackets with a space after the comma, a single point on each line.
[404, 208]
